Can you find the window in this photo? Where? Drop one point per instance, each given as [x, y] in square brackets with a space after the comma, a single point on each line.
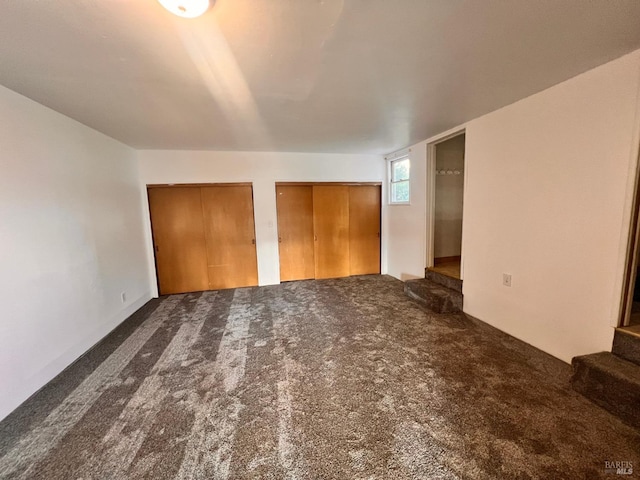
[400, 181]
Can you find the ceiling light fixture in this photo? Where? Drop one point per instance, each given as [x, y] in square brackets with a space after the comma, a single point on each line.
[186, 8]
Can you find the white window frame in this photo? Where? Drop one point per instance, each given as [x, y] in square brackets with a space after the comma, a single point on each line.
[392, 181]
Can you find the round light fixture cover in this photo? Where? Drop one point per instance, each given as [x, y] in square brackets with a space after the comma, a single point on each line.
[186, 8]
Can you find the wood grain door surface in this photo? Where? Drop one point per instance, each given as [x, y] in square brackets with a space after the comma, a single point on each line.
[204, 236]
[364, 229]
[331, 229]
[179, 240]
[295, 232]
[230, 236]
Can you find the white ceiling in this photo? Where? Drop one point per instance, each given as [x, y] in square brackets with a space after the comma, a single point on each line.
[360, 76]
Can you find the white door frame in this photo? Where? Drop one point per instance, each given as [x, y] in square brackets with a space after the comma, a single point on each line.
[632, 253]
[431, 197]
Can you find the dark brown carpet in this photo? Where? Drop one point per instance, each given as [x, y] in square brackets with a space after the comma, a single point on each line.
[332, 379]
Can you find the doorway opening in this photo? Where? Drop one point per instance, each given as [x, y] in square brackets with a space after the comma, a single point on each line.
[630, 312]
[629, 320]
[446, 173]
[633, 323]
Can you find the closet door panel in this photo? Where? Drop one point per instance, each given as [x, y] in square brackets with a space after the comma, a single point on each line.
[230, 236]
[331, 229]
[295, 232]
[364, 229]
[179, 240]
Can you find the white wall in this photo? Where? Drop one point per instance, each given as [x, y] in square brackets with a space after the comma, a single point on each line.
[71, 241]
[406, 224]
[263, 170]
[547, 199]
[449, 198]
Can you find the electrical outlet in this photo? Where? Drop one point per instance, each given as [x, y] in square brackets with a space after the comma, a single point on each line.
[123, 297]
[506, 279]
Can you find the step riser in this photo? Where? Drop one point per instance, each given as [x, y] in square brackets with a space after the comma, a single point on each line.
[435, 297]
[627, 346]
[616, 393]
[437, 304]
[444, 280]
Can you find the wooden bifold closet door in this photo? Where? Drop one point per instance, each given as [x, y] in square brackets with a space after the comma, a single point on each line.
[230, 236]
[204, 237]
[295, 232]
[331, 229]
[364, 229]
[178, 238]
[328, 231]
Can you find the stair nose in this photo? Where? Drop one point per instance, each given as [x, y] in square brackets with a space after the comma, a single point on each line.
[434, 296]
[611, 382]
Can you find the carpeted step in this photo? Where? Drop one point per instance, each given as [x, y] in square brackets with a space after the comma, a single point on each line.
[434, 296]
[444, 280]
[611, 382]
[627, 345]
